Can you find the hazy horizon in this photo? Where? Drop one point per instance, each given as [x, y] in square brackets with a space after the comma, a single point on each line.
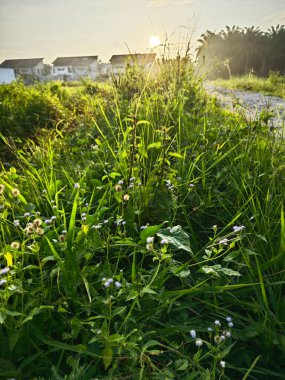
[48, 29]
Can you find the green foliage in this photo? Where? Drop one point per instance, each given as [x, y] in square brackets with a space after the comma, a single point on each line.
[23, 109]
[238, 51]
[273, 85]
[129, 238]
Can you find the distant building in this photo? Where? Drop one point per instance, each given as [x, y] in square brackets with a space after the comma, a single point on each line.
[104, 69]
[7, 75]
[71, 68]
[32, 67]
[75, 67]
[119, 62]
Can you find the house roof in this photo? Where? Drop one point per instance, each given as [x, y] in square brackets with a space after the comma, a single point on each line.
[20, 63]
[140, 59]
[75, 61]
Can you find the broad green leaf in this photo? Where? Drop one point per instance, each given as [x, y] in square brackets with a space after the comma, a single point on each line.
[115, 174]
[13, 313]
[148, 290]
[75, 327]
[118, 310]
[107, 354]
[226, 351]
[115, 338]
[14, 339]
[229, 272]
[232, 256]
[35, 311]
[132, 295]
[48, 258]
[252, 253]
[149, 231]
[184, 273]
[211, 270]
[217, 269]
[150, 343]
[105, 329]
[181, 364]
[176, 237]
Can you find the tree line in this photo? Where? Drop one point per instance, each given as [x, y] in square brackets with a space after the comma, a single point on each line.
[238, 51]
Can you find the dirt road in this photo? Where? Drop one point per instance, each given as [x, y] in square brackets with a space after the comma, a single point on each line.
[252, 105]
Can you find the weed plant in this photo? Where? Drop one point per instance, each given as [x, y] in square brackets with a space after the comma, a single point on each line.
[144, 240]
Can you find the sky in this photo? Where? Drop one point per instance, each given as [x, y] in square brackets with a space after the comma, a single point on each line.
[52, 28]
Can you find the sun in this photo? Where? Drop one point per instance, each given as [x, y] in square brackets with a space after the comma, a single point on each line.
[154, 41]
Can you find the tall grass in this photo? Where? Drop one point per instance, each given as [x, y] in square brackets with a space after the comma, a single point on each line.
[272, 85]
[145, 241]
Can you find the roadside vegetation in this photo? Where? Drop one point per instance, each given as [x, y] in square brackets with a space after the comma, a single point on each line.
[142, 233]
[273, 85]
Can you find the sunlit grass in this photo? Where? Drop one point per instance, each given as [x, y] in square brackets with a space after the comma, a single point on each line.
[145, 239]
[272, 85]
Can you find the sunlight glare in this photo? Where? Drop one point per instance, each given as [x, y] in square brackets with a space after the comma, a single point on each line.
[154, 41]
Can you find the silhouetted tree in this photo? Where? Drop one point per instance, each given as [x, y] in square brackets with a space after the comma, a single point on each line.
[243, 50]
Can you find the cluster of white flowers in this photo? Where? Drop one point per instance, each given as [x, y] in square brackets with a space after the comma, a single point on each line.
[97, 226]
[219, 337]
[110, 281]
[131, 185]
[169, 185]
[224, 241]
[120, 222]
[49, 221]
[149, 243]
[3, 272]
[16, 223]
[238, 228]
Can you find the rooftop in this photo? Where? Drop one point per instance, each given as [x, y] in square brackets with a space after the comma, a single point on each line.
[75, 61]
[20, 63]
[141, 59]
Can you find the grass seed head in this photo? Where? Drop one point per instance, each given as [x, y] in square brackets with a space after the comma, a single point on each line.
[15, 192]
[15, 245]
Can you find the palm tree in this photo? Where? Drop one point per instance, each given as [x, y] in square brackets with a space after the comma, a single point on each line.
[243, 49]
[277, 48]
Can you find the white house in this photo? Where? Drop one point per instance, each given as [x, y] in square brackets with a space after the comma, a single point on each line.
[7, 75]
[33, 67]
[119, 62]
[75, 67]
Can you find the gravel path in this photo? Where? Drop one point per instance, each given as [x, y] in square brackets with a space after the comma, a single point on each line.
[251, 104]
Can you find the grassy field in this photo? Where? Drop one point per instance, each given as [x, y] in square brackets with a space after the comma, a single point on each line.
[272, 85]
[142, 233]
